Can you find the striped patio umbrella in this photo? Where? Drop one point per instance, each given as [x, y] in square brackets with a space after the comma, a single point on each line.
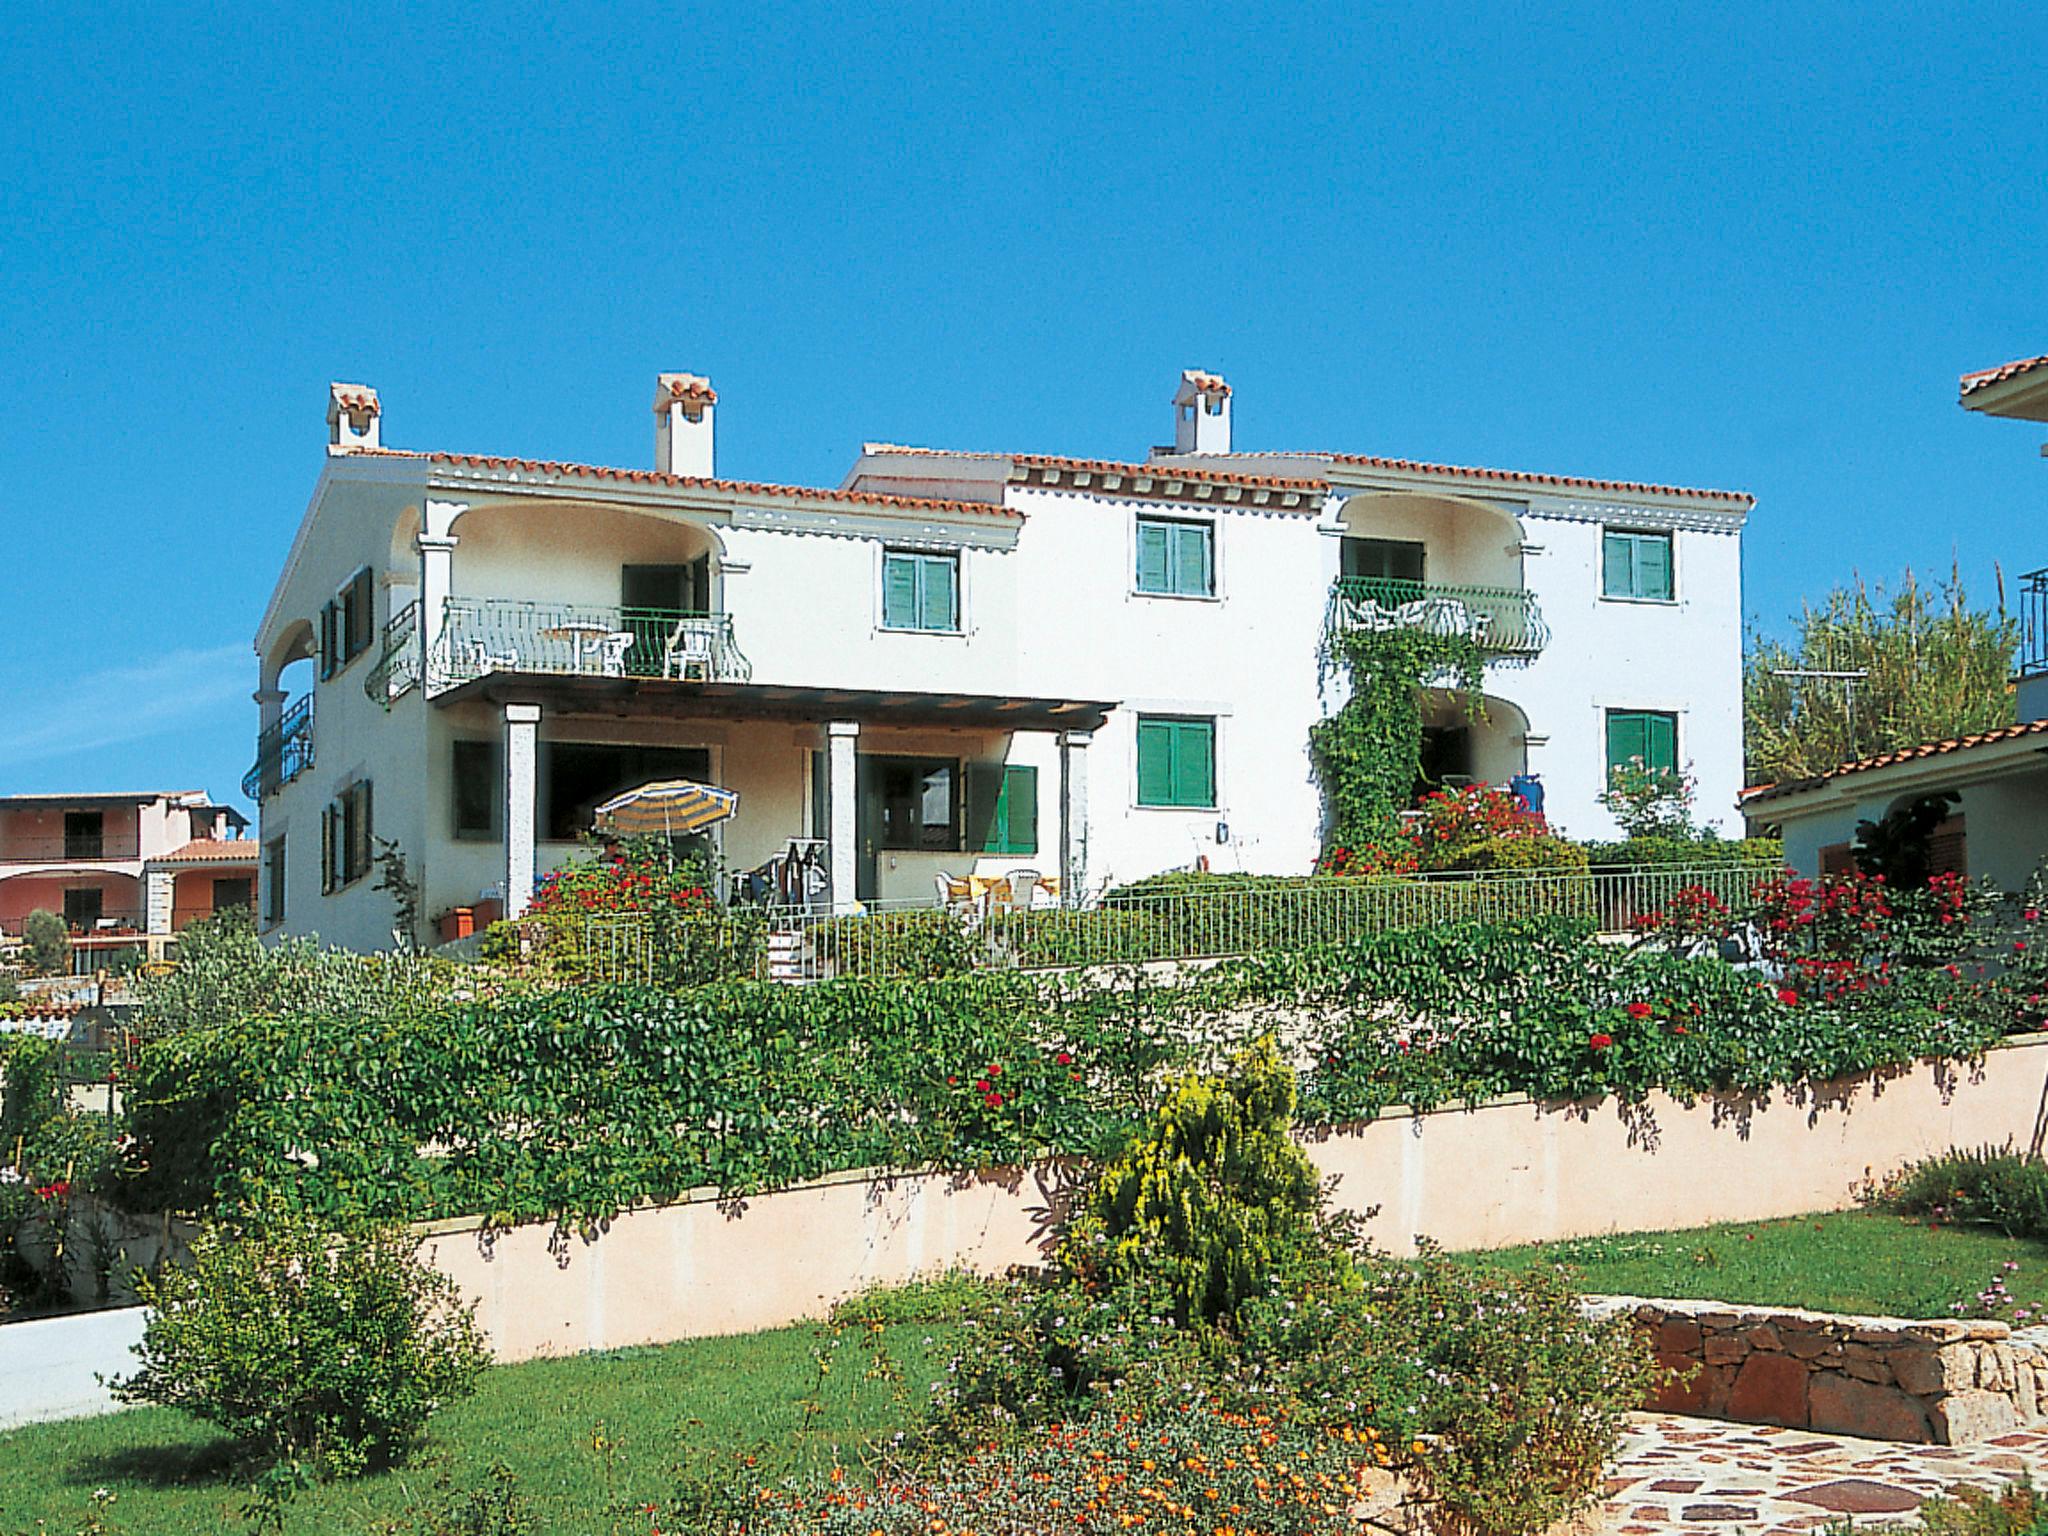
[668, 808]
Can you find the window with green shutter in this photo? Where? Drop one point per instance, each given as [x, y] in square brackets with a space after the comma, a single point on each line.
[1635, 565]
[1175, 558]
[920, 591]
[1002, 808]
[1642, 735]
[1176, 762]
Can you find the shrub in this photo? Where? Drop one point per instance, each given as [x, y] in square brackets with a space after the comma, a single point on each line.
[636, 902]
[906, 944]
[1552, 854]
[1211, 1201]
[1990, 1186]
[1647, 802]
[2018, 1509]
[307, 1342]
[48, 942]
[1707, 850]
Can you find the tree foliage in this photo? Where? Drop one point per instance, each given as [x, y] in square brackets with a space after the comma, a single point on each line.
[1937, 668]
[49, 943]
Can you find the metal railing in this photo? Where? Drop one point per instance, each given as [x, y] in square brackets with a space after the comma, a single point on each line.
[919, 939]
[283, 752]
[2033, 605]
[1504, 620]
[399, 666]
[114, 847]
[483, 635]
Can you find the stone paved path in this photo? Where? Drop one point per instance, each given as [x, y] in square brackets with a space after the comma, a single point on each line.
[1706, 1478]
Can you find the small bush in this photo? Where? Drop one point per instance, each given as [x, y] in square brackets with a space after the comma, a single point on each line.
[307, 1343]
[1553, 854]
[2018, 1509]
[48, 941]
[1990, 1186]
[1212, 1201]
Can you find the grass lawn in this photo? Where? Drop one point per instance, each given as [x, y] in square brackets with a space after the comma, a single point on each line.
[169, 1473]
[1853, 1261]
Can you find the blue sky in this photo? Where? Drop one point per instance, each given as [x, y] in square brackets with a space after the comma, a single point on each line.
[1740, 246]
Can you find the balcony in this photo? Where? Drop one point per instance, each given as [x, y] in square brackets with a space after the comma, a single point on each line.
[1504, 620]
[480, 636]
[283, 752]
[2033, 605]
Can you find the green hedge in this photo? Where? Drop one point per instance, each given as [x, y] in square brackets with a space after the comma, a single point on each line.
[580, 1101]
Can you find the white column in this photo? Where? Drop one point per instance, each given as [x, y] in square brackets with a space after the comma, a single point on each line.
[269, 706]
[841, 737]
[437, 574]
[158, 888]
[1073, 815]
[522, 729]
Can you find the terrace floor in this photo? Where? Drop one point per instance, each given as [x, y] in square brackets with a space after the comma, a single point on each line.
[1702, 1476]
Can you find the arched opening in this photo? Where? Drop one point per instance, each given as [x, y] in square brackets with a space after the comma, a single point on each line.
[601, 556]
[1434, 540]
[1468, 740]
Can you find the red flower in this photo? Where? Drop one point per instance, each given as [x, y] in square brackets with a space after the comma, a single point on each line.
[1064, 1059]
[1788, 997]
[993, 1101]
[1599, 1042]
[1639, 1010]
[983, 1085]
[995, 1069]
[1678, 1029]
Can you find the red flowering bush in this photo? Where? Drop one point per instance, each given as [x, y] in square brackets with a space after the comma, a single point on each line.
[637, 899]
[1480, 827]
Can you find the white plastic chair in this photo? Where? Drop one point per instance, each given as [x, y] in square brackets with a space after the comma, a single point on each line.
[689, 649]
[483, 659]
[612, 652]
[1025, 884]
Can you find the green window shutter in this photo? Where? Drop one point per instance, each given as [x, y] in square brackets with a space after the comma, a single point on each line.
[985, 808]
[899, 592]
[326, 849]
[365, 829]
[1191, 569]
[1155, 762]
[1020, 810]
[1653, 566]
[1617, 566]
[1153, 565]
[1660, 739]
[1625, 739]
[938, 600]
[1194, 763]
[328, 647]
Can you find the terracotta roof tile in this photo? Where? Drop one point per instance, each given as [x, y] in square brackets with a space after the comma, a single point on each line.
[1889, 759]
[1205, 383]
[658, 477]
[211, 850]
[1527, 477]
[683, 386]
[354, 397]
[1984, 378]
[1151, 469]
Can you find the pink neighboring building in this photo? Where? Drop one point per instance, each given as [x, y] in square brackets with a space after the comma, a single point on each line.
[121, 868]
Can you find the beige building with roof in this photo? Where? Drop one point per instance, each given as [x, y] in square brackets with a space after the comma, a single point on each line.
[951, 664]
[1997, 824]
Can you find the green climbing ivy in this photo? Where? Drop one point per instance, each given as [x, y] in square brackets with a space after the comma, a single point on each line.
[1368, 755]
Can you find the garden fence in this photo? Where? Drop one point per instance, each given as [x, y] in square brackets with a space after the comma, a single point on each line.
[922, 939]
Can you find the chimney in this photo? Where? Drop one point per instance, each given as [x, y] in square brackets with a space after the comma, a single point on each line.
[1201, 413]
[683, 404]
[352, 417]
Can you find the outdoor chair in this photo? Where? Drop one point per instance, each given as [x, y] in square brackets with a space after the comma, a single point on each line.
[612, 652]
[483, 659]
[1024, 888]
[689, 651]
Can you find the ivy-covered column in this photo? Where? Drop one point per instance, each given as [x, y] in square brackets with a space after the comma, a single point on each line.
[522, 732]
[1073, 815]
[841, 739]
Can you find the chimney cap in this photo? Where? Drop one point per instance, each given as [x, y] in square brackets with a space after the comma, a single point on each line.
[686, 388]
[356, 399]
[1199, 381]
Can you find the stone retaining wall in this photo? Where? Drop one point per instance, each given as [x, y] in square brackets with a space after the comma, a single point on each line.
[1941, 1382]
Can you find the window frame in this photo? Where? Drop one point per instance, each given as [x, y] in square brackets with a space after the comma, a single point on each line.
[1611, 715]
[271, 880]
[956, 831]
[354, 601]
[1212, 561]
[1176, 725]
[347, 837]
[1667, 537]
[494, 755]
[922, 560]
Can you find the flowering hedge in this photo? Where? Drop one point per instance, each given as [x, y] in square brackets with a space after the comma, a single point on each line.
[580, 1101]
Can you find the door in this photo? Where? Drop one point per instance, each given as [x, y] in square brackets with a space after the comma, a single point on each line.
[867, 828]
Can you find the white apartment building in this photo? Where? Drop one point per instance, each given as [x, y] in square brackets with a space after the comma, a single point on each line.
[952, 662]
